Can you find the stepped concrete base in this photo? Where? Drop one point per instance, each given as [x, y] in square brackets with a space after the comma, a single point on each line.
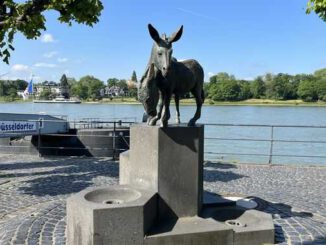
[160, 199]
[118, 215]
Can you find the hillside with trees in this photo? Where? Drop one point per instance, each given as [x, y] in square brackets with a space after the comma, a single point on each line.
[308, 87]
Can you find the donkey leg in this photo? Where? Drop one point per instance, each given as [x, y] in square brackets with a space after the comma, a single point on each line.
[177, 100]
[166, 110]
[152, 121]
[199, 101]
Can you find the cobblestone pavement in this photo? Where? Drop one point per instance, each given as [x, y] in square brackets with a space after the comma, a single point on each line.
[33, 191]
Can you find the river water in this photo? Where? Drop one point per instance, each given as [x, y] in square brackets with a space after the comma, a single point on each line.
[224, 148]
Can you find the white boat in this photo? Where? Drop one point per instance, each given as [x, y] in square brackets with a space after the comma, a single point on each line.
[60, 99]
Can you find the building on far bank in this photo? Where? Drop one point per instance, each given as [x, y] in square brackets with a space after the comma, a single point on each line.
[54, 88]
[114, 91]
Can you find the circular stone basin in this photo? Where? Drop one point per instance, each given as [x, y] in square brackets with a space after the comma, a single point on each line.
[113, 196]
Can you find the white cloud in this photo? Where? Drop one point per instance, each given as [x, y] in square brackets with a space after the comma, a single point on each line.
[210, 74]
[45, 65]
[47, 38]
[62, 60]
[19, 68]
[18, 71]
[50, 54]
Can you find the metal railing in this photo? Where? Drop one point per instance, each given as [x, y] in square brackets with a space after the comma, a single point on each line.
[272, 140]
[256, 141]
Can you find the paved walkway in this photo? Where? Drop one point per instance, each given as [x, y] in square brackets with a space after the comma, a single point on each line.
[33, 192]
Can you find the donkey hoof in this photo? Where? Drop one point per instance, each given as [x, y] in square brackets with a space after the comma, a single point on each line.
[191, 123]
[164, 124]
[152, 122]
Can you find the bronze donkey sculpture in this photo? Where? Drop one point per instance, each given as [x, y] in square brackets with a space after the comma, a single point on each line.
[165, 76]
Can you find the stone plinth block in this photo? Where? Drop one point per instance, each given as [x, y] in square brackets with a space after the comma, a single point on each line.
[170, 162]
[111, 215]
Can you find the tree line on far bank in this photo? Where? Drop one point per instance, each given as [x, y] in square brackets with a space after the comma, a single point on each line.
[221, 87]
[308, 87]
[86, 88]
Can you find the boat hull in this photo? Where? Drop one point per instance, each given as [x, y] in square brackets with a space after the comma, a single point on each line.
[57, 102]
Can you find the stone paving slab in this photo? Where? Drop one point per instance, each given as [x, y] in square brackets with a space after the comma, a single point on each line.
[33, 191]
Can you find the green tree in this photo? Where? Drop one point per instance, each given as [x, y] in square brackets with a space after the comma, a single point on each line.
[45, 94]
[9, 88]
[320, 73]
[93, 86]
[245, 92]
[2, 88]
[71, 81]
[19, 84]
[280, 88]
[27, 17]
[321, 89]
[317, 6]
[206, 88]
[307, 90]
[258, 88]
[224, 91]
[320, 76]
[64, 81]
[64, 86]
[12, 93]
[79, 90]
[122, 84]
[221, 76]
[112, 82]
[134, 77]
[133, 93]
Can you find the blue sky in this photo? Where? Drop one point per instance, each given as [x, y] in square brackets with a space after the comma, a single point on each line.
[244, 38]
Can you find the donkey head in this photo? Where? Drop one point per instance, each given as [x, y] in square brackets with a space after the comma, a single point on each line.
[162, 49]
[148, 92]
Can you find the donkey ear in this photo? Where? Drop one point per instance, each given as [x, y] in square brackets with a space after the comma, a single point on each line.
[176, 35]
[154, 33]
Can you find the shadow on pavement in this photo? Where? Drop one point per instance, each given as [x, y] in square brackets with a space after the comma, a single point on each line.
[219, 165]
[68, 176]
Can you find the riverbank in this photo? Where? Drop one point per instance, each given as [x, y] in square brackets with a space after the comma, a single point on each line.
[256, 102]
[251, 102]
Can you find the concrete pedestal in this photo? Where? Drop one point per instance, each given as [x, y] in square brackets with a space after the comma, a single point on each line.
[170, 162]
